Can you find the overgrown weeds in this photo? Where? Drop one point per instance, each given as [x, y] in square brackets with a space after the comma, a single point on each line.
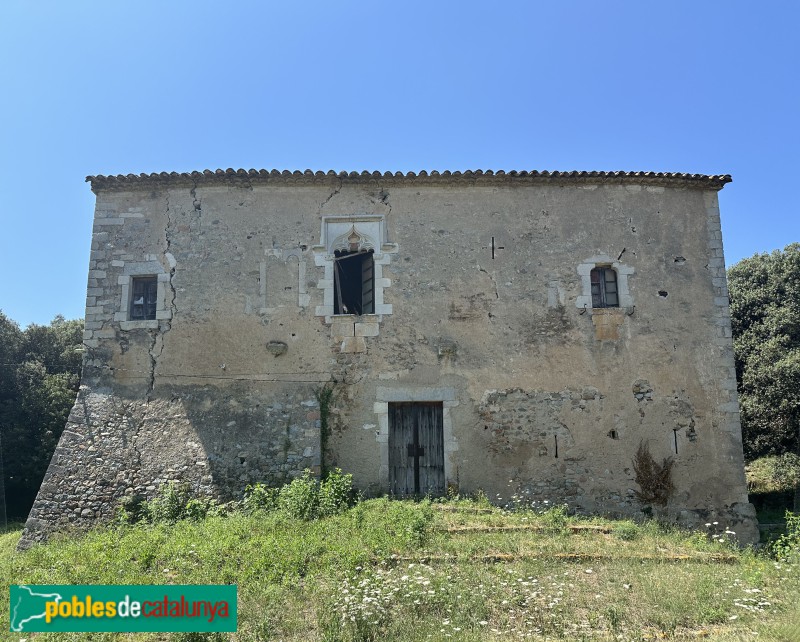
[787, 547]
[392, 570]
[174, 502]
[303, 498]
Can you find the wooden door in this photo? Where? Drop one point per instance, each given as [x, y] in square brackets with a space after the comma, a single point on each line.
[416, 449]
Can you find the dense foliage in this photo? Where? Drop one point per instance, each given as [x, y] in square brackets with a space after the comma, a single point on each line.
[39, 378]
[765, 315]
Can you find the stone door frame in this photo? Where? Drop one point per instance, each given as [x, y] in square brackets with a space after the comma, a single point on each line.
[384, 395]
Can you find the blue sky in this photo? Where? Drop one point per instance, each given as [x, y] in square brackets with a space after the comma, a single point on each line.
[129, 87]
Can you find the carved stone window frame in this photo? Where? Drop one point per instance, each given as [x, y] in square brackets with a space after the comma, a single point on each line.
[623, 271]
[359, 232]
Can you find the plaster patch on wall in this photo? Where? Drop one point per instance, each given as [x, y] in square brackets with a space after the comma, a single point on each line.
[282, 280]
[607, 322]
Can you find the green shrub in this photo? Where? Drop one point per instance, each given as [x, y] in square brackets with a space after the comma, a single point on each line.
[335, 493]
[132, 509]
[170, 504]
[627, 531]
[303, 498]
[774, 474]
[416, 529]
[258, 497]
[197, 509]
[300, 498]
[555, 517]
[174, 502]
[787, 547]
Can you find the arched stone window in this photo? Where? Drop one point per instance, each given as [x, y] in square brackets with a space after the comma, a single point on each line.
[604, 283]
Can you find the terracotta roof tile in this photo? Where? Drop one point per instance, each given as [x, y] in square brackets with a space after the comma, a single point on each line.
[121, 181]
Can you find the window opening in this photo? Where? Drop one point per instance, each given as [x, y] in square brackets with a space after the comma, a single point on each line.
[353, 282]
[143, 299]
[604, 288]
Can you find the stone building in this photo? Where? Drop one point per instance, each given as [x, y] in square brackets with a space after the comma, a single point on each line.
[514, 332]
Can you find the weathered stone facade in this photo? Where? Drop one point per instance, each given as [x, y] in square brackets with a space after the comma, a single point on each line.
[477, 295]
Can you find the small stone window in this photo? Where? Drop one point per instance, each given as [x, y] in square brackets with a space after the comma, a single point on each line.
[354, 282]
[144, 298]
[604, 288]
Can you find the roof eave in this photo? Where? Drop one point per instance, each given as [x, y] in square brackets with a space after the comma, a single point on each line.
[252, 176]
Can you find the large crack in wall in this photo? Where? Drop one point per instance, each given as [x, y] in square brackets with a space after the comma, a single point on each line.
[156, 348]
[333, 193]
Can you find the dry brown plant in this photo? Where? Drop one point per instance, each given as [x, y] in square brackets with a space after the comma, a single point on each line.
[654, 479]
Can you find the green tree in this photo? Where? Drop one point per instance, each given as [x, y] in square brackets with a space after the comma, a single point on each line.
[39, 378]
[765, 318]
[10, 343]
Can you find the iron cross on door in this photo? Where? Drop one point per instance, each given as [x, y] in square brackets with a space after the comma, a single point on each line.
[416, 449]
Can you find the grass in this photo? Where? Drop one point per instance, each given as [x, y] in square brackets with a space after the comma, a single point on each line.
[396, 570]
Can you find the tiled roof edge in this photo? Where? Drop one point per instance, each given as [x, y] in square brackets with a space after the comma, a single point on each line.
[121, 181]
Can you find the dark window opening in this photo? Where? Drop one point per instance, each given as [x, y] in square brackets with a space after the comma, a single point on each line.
[353, 283]
[604, 288]
[143, 298]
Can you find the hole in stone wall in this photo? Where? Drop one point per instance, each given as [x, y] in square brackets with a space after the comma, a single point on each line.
[663, 294]
[680, 260]
[556, 440]
[675, 436]
[613, 434]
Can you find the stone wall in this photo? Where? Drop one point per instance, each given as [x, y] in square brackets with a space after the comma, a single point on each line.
[113, 447]
[483, 304]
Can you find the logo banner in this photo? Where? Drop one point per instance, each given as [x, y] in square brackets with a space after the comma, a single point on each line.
[123, 608]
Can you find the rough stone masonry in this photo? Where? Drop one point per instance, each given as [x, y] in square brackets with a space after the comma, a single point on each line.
[516, 333]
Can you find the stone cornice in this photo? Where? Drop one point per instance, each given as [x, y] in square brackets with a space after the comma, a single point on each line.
[253, 177]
